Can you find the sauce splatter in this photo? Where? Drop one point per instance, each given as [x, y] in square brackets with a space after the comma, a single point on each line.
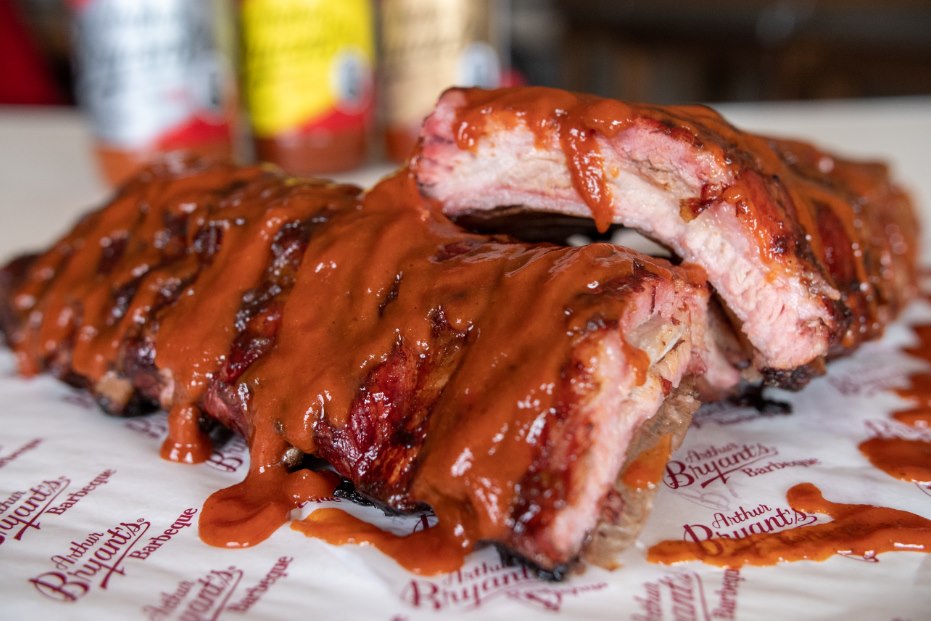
[914, 417]
[428, 551]
[908, 458]
[855, 530]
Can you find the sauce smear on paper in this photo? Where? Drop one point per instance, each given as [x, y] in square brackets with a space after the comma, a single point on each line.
[855, 530]
[429, 551]
[909, 460]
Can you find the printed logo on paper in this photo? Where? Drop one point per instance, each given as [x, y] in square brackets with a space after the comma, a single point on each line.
[103, 555]
[701, 467]
[471, 588]
[216, 592]
[683, 596]
[22, 511]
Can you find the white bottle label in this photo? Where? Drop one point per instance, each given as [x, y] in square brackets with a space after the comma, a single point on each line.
[147, 68]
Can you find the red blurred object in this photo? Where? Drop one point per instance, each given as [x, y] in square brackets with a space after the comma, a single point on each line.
[26, 76]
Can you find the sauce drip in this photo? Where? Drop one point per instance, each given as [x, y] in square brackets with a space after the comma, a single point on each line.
[428, 551]
[855, 530]
[186, 441]
[571, 120]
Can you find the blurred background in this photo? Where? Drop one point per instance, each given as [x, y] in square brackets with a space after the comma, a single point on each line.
[664, 51]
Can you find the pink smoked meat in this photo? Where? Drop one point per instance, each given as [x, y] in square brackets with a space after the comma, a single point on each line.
[810, 254]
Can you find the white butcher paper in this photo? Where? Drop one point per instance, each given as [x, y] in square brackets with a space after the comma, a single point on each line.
[117, 501]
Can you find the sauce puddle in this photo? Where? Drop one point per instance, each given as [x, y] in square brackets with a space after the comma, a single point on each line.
[429, 551]
[251, 511]
[855, 530]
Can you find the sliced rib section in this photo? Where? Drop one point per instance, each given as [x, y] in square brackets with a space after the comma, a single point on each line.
[810, 253]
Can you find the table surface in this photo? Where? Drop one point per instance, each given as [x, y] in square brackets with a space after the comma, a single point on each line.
[48, 174]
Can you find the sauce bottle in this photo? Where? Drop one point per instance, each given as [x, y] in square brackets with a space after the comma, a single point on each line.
[151, 77]
[426, 46]
[308, 81]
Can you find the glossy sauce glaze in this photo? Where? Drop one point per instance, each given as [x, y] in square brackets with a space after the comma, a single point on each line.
[854, 530]
[803, 208]
[147, 278]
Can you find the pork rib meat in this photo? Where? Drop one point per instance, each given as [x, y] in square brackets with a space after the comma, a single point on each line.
[810, 253]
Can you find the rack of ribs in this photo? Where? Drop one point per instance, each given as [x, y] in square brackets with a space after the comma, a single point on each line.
[507, 386]
[809, 253]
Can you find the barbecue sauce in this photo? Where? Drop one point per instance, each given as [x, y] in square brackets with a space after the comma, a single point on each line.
[186, 441]
[914, 417]
[855, 530]
[157, 258]
[909, 460]
[249, 512]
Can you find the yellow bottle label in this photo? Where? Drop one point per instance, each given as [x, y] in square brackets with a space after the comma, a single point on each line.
[306, 60]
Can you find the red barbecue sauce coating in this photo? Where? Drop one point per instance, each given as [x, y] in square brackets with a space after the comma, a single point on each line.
[577, 121]
[854, 530]
[145, 250]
